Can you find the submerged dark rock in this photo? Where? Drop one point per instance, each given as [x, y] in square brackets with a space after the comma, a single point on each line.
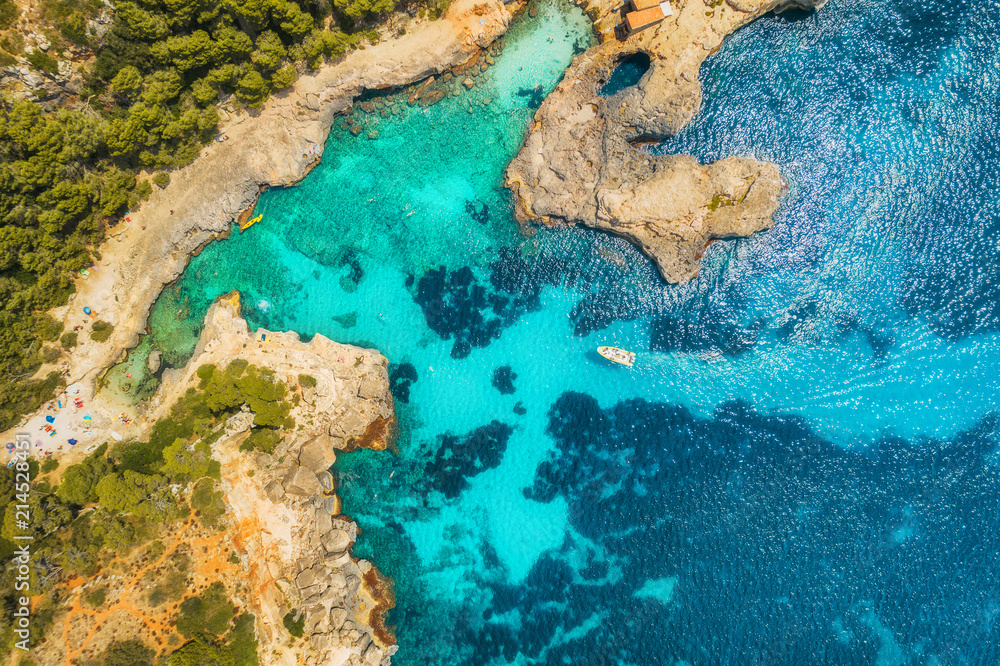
[714, 329]
[460, 457]
[683, 506]
[458, 306]
[503, 380]
[400, 378]
[356, 273]
[480, 213]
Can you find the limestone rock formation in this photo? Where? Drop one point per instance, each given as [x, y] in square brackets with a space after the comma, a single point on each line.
[317, 454]
[297, 546]
[301, 482]
[239, 422]
[583, 160]
[154, 360]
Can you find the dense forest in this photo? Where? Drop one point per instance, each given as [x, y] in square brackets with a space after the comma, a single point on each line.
[120, 501]
[148, 105]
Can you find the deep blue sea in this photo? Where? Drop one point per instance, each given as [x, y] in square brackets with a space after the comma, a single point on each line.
[801, 468]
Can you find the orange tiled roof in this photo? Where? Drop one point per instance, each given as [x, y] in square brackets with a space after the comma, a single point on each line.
[645, 18]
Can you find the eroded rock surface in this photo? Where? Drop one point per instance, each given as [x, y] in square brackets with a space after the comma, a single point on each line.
[582, 160]
[284, 513]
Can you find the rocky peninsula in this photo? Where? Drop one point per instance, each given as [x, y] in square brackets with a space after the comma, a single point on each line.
[583, 160]
[282, 549]
[285, 514]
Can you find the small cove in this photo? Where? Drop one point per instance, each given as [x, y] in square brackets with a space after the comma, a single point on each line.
[783, 405]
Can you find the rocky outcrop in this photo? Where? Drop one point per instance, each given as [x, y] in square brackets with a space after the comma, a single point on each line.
[285, 516]
[154, 360]
[582, 160]
[317, 454]
[239, 422]
[324, 584]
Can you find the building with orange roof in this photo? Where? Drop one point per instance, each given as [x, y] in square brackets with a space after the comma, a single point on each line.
[647, 13]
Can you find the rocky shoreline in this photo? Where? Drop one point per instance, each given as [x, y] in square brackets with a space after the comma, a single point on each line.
[283, 509]
[582, 160]
[272, 147]
[284, 514]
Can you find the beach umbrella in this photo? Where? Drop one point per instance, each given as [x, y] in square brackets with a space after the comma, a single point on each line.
[86, 310]
[50, 419]
[72, 442]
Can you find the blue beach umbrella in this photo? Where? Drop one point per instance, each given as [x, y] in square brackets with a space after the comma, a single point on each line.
[50, 419]
[72, 442]
[86, 310]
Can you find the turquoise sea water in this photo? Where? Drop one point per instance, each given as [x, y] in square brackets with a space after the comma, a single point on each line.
[801, 467]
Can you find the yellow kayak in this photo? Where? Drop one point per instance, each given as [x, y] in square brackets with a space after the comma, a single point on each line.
[249, 223]
[617, 355]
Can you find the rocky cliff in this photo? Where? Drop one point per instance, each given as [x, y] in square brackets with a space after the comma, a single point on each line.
[284, 512]
[583, 160]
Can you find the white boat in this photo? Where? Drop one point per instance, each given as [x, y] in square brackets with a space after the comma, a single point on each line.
[617, 355]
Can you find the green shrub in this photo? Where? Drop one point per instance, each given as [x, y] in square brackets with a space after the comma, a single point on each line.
[50, 465]
[68, 340]
[161, 179]
[79, 482]
[12, 42]
[142, 191]
[171, 588]
[8, 14]
[172, 583]
[43, 62]
[208, 503]
[50, 354]
[295, 627]
[284, 77]
[200, 652]
[241, 384]
[211, 613]
[48, 328]
[243, 641]
[155, 549]
[24, 396]
[101, 331]
[96, 598]
[307, 381]
[142, 457]
[261, 439]
[127, 653]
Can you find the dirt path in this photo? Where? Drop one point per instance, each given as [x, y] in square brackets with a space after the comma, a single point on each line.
[86, 632]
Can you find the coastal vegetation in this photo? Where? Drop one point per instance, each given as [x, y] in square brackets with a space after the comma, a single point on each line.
[119, 504]
[149, 102]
